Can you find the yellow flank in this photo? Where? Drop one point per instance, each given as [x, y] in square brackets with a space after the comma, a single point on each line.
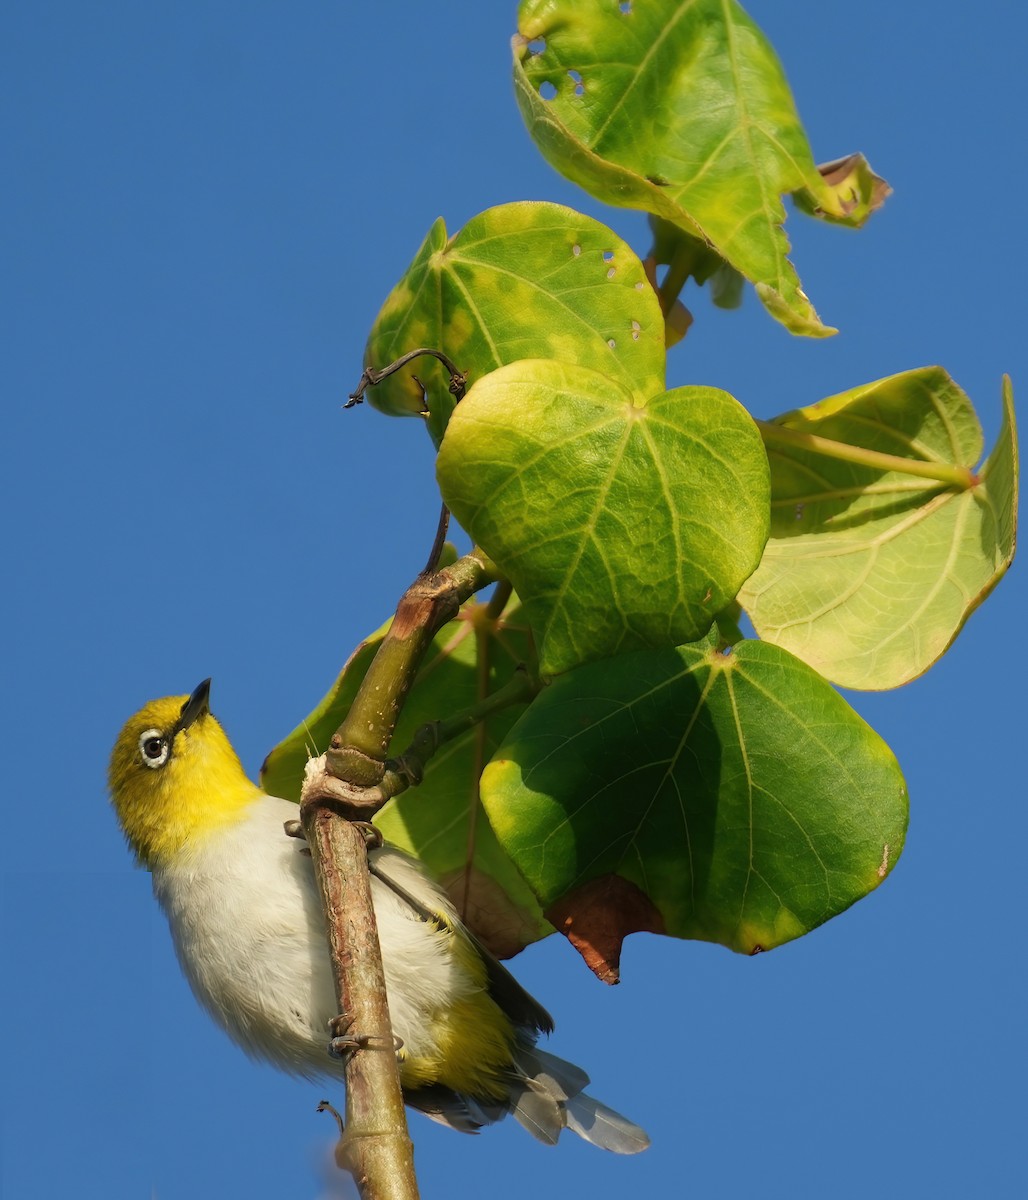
[202, 786]
[475, 1049]
[474, 1037]
[476, 1040]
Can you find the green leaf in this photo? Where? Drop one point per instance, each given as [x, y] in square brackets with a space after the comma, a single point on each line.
[526, 280]
[736, 789]
[870, 571]
[441, 818]
[690, 258]
[621, 522]
[680, 108]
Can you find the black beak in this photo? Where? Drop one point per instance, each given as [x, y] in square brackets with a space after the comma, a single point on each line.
[195, 706]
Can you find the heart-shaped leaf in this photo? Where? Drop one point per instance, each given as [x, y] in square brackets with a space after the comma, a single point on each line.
[870, 571]
[681, 108]
[734, 789]
[621, 523]
[526, 280]
[441, 821]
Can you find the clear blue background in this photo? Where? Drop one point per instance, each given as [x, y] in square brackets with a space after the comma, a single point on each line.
[203, 207]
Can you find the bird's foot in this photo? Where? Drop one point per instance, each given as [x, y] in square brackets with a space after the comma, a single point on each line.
[344, 1042]
[372, 835]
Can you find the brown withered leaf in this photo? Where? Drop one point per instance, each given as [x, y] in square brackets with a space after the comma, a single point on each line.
[499, 924]
[836, 172]
[598, 916]
[859, 190]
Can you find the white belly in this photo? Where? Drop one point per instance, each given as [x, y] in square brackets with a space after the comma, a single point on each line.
[246, 921]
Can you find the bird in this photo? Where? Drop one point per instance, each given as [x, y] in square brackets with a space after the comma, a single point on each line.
[248, 928]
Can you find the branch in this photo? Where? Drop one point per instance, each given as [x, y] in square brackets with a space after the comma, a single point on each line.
[440, 541]
[375, 1146]
[345, 786]
[408, 769]
[358, 749]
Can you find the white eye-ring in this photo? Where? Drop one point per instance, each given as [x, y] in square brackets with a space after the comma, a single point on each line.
[154, 748]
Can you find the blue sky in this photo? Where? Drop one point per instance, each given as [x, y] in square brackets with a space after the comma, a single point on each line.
[204, 206]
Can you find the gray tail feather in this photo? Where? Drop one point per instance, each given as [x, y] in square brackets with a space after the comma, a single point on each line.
[538, 1111]
[604, 1127]
[548, 1098]
[561, 1078]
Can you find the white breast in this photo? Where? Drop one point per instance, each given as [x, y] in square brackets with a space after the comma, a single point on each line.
[247, 924]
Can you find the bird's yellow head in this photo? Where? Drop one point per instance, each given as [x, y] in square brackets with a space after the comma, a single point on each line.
[174, 777]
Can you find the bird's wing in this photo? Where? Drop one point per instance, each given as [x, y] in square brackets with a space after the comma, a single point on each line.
[522, 1008]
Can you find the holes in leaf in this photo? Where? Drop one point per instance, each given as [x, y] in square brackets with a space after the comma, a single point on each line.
[547, 90]
[625, 7]
[579, 85]
[608, 256]
[537, 46]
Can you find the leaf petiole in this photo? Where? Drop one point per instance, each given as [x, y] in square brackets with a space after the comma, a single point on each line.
[961, 478]
[408, 768]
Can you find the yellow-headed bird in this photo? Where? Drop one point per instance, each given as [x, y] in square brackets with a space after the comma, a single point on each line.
[246, 919]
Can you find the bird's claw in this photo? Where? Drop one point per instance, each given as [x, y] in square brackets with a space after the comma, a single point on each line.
[372, 835]
[343, 1042]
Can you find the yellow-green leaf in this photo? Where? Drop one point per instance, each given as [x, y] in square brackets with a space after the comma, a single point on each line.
[681, 108]
[871, 571]
[733, 787]
[622, 521]
[525, 280]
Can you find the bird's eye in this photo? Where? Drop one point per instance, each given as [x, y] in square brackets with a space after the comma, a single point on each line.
[153, 746]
